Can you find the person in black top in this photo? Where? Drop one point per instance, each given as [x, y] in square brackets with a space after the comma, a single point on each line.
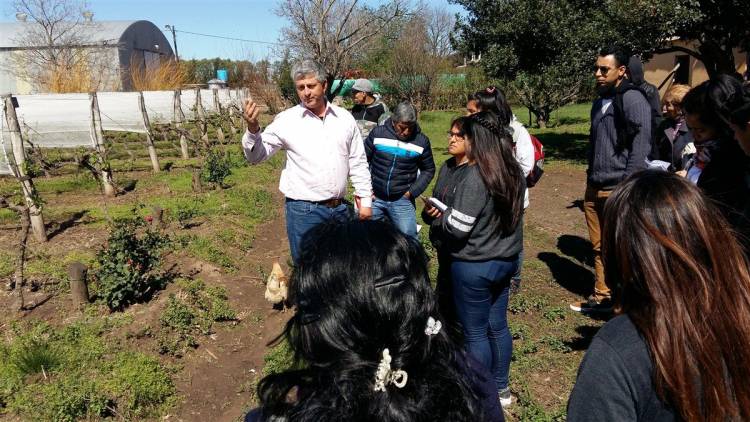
[366, 106]
[368, 340]
[719, 166]
[678, 350]
[673, 142]
[478, 233]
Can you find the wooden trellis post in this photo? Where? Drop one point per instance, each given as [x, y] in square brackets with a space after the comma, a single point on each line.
[97, 138]
[149, 135]
[18, 167]
[217, 104]
[179, 118]
[201, 114]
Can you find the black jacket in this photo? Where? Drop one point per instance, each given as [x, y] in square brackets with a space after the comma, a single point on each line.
[671, 151]
[394, 163]
[468, 229]
[725, 181]
[651, 92]
[371, 113]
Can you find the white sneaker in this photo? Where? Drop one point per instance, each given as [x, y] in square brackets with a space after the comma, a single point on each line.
[506, 399]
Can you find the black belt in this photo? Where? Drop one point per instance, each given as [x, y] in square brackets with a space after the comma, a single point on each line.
[328, 203]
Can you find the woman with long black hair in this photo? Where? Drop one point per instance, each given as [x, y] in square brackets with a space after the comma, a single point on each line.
[678, 350]
[368, 338]
[478, 235]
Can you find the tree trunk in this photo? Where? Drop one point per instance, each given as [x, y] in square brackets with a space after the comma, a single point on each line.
[149, 135]
[541, 114]
[718, 59]
[30, 194]
[97, 138]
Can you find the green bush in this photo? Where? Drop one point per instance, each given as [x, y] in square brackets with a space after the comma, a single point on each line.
[126, 265]
[216, 167]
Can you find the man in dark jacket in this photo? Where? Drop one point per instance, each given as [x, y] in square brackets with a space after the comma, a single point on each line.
[619, 141]
[366, 106]
[650, 91]
[401, 165]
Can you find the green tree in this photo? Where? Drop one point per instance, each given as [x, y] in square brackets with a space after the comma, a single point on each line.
[547, 46]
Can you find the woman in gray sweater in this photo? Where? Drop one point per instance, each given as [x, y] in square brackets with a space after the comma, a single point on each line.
[478, 235]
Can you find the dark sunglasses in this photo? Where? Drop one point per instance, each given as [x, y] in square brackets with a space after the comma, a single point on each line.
[602, 69]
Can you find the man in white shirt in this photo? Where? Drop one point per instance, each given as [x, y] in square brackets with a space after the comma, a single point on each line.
[323, 146]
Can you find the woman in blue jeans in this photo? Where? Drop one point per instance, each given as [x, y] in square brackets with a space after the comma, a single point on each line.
[478, 235]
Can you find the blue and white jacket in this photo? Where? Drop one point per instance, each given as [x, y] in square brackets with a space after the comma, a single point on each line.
[398, 166]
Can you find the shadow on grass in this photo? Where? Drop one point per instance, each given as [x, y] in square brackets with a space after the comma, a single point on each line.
[576, 247]
[573, 277]
[71, 221]
[586, 333]
[564, 146]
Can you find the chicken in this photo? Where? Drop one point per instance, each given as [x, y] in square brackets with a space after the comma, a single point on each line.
[276, 286]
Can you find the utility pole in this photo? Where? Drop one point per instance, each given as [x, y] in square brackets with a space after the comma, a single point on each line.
[173, 30]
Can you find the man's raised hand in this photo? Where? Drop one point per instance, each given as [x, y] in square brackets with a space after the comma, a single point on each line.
[250, 114]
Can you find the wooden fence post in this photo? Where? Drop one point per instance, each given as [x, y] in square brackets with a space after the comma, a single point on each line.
[179, 118]
[17, 165]
[78, 285]
[149, 135]
[201, 114]
[97, 138]
[217, 104]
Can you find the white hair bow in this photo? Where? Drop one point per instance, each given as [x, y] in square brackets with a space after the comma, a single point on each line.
[385, 375]
[433, 326]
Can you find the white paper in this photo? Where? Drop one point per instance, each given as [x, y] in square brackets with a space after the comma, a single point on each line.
[658, 165]
[437, 204]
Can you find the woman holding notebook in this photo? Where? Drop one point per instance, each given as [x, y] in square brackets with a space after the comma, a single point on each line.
[475, 216]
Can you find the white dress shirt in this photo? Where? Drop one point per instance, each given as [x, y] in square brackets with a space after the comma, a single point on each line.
[524, 152]
[320, 154]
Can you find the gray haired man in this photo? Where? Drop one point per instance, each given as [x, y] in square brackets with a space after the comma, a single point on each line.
[401, 164]
[323, 147]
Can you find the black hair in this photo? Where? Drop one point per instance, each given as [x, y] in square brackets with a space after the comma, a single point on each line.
[740, 108]
[712, 102]
[491, 147]
[493, 99]
[361, 287]
[621, 56]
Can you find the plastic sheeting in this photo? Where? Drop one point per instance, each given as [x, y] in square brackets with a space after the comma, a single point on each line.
[63, 120]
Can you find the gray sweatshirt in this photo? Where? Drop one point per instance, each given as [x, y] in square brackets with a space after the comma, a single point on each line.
[610, 163]
[468, 230]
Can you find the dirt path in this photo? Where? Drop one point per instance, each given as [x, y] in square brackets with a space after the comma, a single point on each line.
[218, 379]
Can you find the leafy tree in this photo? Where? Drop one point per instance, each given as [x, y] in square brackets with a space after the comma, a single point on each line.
[547, 46]
[715, 27]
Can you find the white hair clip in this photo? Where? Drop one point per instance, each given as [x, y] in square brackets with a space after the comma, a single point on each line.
[385, 375]
[433, 326]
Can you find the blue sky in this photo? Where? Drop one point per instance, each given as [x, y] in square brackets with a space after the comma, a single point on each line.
[244, 19]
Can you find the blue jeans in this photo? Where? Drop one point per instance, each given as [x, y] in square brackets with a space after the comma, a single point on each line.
[519, 261]
[301, 216]
[401, 212]
[480, 291]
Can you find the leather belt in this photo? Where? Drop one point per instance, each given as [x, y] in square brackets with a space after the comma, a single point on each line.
[330, 203]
